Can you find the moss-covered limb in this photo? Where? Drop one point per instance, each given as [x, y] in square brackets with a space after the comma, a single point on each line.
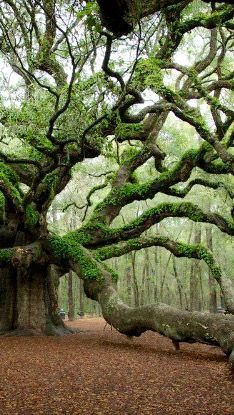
[46, 59]
[215, 167]
[178, 325]
[166, 210]
[66, 250]
[6, 257]
[32, 216]
[201, 182]
[186, 113]
[217, 18]
[97, 234]
[22, 256]
[26, 169]
[10, 191]
[201, 89]
[49, 185]
[110, 207]
[181, 326]
[13, 161]
[2, 206]
[178, 249]
[136, 157]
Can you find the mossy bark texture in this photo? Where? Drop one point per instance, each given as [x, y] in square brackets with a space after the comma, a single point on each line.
[28, 302]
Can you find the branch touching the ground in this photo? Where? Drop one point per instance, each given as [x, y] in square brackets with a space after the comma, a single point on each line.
[178, 249]
[179, 326]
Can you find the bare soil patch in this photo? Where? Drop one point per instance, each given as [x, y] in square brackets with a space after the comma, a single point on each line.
[100, 372]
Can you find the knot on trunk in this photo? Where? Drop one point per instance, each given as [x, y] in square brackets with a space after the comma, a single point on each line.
[22, 258]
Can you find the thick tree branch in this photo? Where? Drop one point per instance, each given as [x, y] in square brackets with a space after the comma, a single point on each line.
[178, 249]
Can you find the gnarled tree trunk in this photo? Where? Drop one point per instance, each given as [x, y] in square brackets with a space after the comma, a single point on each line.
[28, 302]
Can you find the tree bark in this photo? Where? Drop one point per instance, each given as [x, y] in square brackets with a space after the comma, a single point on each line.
[178, 282]
[135, 282]
[7, 298]
[129, 285]
[212, 285]
[28, 302]
[81, 295]
[71, 308]
[195, 295]
[178, 325]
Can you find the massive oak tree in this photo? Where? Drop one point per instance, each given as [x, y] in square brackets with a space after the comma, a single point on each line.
[75, 98]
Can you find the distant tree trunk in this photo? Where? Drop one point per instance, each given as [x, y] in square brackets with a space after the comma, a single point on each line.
[178, 281]
[156, 274]
[145, 279]
[212, 285]
[163, 276]
[81, 296]
[195, 297]
[135, 283]
[129, 285]
[71, 307]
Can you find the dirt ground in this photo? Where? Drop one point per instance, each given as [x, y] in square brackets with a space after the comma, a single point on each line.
[100, 372]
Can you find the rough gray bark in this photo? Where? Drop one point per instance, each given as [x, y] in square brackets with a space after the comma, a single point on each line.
[28, 302]
[178, 282]
[81, 295]
[71, 307]
[212, 285]
[135, 282]
[195, 294]
[178, 325]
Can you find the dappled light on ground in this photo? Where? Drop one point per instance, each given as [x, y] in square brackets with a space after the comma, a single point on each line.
[99, 371]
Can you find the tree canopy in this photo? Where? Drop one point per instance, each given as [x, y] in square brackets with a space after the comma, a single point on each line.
[79, 90]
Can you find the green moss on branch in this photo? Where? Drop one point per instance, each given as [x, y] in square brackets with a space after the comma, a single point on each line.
[31, 216]
[67, 249]
[6, 256]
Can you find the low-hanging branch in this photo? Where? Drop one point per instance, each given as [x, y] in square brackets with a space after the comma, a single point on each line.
[180, 326]
[179, 249]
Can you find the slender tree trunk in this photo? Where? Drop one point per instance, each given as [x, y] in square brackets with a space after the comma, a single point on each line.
[81, 295]
[129, 285]
[135, 283]
[195, 295]
[71, 307]
[212, 284]
[163, 277]
[178, 281]
[147, 290]
[156, 274]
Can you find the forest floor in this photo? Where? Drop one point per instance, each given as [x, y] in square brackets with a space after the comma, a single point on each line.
[100, 372]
